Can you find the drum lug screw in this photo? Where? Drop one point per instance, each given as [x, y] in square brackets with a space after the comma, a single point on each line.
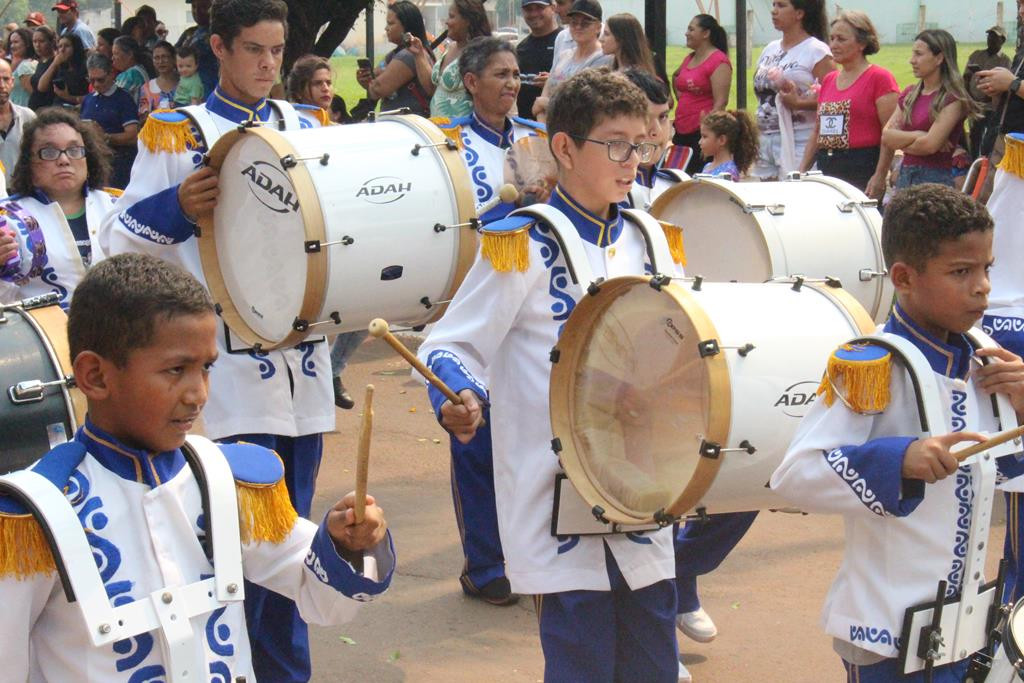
[833, 282]
[664, 519]
[697, 282]
[598, 513]
[658, 281]
[556, 446]
[104, 629]
[555, 355]
[594, 287]
[710, 449]
[798, 283]
[708, 347]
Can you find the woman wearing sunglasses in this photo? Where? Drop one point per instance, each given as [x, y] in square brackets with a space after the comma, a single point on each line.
[50, 223]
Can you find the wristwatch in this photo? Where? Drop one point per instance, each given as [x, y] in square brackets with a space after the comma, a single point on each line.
[1015, 86]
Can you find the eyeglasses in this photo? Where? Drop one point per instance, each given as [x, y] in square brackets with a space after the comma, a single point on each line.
[619, 150]
[52, 153]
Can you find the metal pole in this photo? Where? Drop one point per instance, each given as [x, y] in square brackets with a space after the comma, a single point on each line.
[654, 27]
[117, 14]
[369, 33]
[741, 54]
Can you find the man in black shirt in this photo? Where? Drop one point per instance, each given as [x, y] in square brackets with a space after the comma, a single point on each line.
[535, 52]
[1008, 83]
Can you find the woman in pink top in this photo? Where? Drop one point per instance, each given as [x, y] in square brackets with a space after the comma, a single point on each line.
[928, 123]
[853, 105]
[701, 83]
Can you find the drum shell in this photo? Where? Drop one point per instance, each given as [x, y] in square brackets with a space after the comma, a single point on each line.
[814, 225]
[370, 195]
[34, 347]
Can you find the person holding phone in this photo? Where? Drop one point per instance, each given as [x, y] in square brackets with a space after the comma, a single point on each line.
[983, 60]
[394, 81]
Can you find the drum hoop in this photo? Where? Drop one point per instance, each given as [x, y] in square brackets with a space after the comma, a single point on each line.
[563, 384]
[315, 292]
[50, 324]
[459, 178]
[1009, 638]
[854, 309]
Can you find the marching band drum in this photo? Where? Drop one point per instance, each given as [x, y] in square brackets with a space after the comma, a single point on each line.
[319, 231]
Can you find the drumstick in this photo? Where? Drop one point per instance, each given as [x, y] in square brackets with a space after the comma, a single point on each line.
[379, 329]
[1002, 437]
[363, 455]
[507, 193]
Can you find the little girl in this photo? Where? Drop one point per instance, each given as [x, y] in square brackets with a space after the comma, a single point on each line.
[729, 138]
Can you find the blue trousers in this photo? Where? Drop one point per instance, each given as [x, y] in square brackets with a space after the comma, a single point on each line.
[610, 636]
[888, 671]
[475, 511]
[278, 636]
[701, 546]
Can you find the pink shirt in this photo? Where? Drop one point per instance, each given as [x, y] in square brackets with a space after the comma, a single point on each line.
[694, 89]
[848, 118]
[920, 119]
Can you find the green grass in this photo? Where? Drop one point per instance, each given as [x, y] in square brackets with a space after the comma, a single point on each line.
[895, 58]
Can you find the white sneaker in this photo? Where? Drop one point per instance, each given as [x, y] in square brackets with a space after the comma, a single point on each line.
[697, 626]
[684, 674]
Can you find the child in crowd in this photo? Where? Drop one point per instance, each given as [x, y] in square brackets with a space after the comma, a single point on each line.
[142, 334]
[730, 140]
[904, 499]
[659, 133]
[190, 87]
[605, 603]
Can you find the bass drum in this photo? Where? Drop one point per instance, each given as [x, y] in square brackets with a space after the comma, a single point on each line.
[38, 410]
[667, 396]
[321, 230]
[812, 225]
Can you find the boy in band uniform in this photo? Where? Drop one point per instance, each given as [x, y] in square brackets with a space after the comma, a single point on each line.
[904, 499]
[605, 603]
[143, 337]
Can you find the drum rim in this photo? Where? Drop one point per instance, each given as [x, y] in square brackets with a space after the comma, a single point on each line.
[459, 180]
[315, 291]
[563, 383]
[1013, 652]
[44, 320]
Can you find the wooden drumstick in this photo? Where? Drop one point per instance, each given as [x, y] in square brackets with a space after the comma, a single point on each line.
[999, 438]
[379, 329]
[363, 455]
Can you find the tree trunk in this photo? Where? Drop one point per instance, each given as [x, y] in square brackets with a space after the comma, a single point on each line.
[307, 17]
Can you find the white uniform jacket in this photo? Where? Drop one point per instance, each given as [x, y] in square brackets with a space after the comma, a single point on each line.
[496, 337]
[287, 392]
[142, 512]
[48, 258]
[902, 536]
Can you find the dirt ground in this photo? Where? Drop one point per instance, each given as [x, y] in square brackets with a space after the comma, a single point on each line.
[765, 598]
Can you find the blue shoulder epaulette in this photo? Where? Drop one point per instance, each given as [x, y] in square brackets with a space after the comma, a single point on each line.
[506, 243]
[530, 123]
[168, 116]
[253, 464]
[56, 466]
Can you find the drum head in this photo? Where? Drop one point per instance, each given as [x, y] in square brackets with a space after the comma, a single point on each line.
[629, 381]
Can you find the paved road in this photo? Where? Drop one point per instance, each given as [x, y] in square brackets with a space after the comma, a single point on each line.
[765, 598]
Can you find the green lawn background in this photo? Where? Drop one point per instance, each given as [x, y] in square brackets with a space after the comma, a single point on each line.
[895, 58]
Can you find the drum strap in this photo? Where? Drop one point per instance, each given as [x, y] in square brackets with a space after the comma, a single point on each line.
[658, 249]
[287, 119]
[568, 238]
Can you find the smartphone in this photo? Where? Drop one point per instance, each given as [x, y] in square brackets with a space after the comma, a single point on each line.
[973, 68]
[406, 40]
[363, 63]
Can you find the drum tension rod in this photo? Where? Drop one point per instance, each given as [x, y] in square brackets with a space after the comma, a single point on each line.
[663, 519]
[448, 143]
[848, 206]
[711, 449]
[300, 325]
[33, 390]
[865, 274]
[428, 304]
[314, 246]
[291, 161]
[473, 223]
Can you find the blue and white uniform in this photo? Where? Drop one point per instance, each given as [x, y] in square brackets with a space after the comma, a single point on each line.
[902, 536]
[495, 339]
[283, 400]
[51, 257]
[143, 512]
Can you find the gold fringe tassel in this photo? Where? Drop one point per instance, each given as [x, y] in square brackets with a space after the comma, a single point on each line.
[23, 548]
[161, 136]
[113, 191]
[265, 512]
[506, 251]
[323, 116]
[453, 133]
[1013, 160]
[863, 385]
[674, 236]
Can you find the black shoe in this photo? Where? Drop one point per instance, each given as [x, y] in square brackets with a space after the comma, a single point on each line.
[497, 592]
[341, 397]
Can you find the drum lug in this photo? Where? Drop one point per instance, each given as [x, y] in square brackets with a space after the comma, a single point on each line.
[833, 282]
[448, 143]
[708, 347]
[291, 161]
[555, 354]
[301, 325]
[866, 274]
[710, 449]
[598, 513]
[314, 246]
[594, 287]
[849, 206]
[798, 283]
[772, 209]
[663, 519]
[698, 280]
[556, 445]
[33, 390]
[658, 281]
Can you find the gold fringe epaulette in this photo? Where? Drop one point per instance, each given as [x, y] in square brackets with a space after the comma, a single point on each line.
[113, 191]
[24, 551]
[674, 237]
[159, 135]
[507, 251]
[323, 116]
[265, 512]
[859, 375]
[1013, 160]
[453, 133]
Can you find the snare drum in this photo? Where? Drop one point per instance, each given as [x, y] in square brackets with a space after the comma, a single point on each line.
[38, 410]
[668, 397]
[321, 230]
[815, 225]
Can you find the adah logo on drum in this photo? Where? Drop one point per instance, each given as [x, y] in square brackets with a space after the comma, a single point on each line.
[797, 399]
[271, 187]
[384, 190]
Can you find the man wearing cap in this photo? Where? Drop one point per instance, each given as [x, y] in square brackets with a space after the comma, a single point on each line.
[35, 20]
[983, 60]
[585, 26]
[563, 41]
[535, 52]
[68, 22]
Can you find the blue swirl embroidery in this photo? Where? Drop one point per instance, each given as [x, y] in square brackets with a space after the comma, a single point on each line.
[219, 673]
[841, 465]
[549, 248]
[49, 276]
[870, 634]
[438, 359]
[267, 369]
[638, 537]
[563, 302]
[567, 543]
[148, 674]
[77, 489]
[965, 500]
[308, 364]
[959, 409]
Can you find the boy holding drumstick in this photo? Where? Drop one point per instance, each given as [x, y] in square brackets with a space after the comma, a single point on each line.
[606, 604]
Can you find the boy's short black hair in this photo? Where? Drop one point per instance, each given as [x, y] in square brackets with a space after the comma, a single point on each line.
[590, 97]
[920, 218]
[229, 17]
[654, 88]
[119, 301]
